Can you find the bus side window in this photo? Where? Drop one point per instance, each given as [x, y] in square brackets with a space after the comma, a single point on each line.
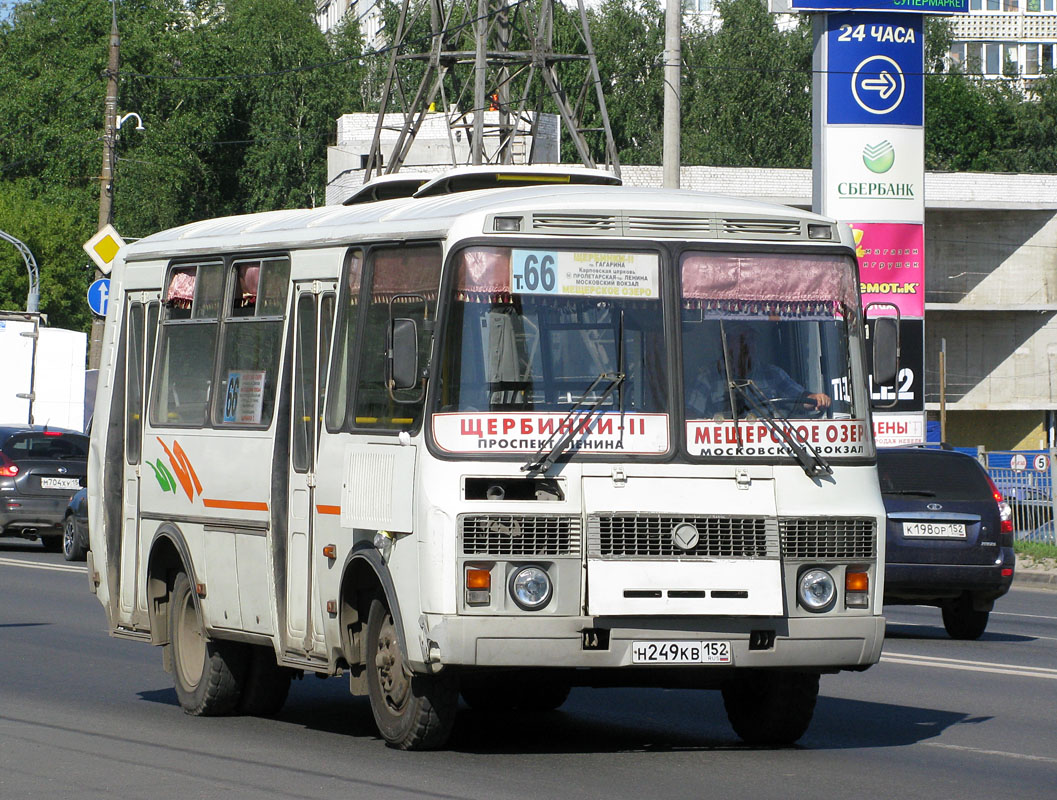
[348, 322]
[252, 342]
[413, 270]
[187, 344]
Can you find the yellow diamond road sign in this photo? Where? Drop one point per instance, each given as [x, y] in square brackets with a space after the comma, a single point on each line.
[103, 247]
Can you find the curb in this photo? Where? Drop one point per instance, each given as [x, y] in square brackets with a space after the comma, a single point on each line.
[1035, 579]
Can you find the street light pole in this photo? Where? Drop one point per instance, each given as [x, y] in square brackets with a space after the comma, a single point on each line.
[33, 296]
[106, 180]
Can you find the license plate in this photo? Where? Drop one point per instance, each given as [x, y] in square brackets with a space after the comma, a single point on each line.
[934, 530]
[682, 652]
[60, 483]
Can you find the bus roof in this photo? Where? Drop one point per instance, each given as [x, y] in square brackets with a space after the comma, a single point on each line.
[583, 210]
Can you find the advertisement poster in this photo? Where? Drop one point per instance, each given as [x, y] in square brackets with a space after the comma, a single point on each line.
[874, 173]
[639, 434]
[896, 430]
[891, 266]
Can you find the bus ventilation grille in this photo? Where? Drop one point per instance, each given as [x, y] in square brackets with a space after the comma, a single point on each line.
[842, 539]
[519, 535]
[649, 536]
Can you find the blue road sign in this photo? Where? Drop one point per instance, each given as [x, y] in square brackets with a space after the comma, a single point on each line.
[875, 66]
[903, 6]
[99, 296]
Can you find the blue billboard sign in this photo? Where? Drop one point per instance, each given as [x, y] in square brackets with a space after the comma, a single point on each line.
[902, 6]
[875, 65]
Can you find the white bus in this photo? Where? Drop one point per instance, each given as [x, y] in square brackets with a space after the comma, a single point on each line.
[493, 443]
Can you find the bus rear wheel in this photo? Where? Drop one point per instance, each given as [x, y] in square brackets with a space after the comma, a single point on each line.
[207, 674]
[771, 708]
[412, 712]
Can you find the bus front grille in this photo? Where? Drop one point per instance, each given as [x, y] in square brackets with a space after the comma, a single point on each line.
[650, 536]
[835, 538]
[519, 535]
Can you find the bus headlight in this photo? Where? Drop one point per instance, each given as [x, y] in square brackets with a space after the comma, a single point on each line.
[816, 590]
[531, 588]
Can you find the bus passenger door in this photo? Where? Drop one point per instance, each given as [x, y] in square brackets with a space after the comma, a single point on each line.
[141, 319]
[313, 323]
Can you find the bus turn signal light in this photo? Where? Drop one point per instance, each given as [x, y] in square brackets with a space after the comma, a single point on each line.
[478, 586]
[330, 551]
[856, 589]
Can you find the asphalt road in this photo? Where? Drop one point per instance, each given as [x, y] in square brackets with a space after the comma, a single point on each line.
[83, 715]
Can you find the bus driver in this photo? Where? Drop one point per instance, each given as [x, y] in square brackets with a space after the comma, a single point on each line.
[710, 394]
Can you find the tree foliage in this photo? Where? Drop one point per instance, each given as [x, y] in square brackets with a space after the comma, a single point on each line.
[238, 101]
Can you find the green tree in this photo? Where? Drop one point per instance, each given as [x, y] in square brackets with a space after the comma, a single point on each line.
[747, 91]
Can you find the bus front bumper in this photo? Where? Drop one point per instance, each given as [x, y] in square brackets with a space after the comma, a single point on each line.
[811, 643]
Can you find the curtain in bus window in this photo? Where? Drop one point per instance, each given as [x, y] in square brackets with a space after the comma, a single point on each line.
[186, 350]
[249, 365]
[410, 271]
[768, 284]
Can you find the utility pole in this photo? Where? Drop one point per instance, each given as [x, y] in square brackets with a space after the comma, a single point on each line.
[472, 58]
[106, 179]
[943, 390]
[670, 154]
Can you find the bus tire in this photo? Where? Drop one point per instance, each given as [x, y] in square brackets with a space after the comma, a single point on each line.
[412, 712]
[207, 674]
[771, 708]
[266, 686]
[495, 695]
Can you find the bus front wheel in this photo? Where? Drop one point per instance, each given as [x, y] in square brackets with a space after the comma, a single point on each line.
[207, 674]
[412, 712]
[771, 708]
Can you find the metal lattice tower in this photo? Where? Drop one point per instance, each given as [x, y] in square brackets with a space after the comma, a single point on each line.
[488, 55]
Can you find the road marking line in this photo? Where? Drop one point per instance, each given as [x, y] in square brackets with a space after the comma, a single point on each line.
[967, 661]
[1014, 614]
[17, 562]
[1021, 756]
[968, 666]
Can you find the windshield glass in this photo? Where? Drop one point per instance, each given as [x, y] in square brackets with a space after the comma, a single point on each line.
[532, 335]
[770, 335]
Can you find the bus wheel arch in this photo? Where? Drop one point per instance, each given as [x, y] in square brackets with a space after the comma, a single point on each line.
[364, 578]
[168, 557]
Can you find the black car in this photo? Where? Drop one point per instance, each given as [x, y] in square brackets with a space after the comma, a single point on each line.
[949, 538]
[75, 527]
[41, 468]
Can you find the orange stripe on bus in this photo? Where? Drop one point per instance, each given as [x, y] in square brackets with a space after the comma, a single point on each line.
[328, 509]
[237, 505]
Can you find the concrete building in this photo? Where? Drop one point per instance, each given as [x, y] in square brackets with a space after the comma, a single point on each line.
[366, 12]
[1011, 38]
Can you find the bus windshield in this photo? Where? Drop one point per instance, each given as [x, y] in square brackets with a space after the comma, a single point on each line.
[769, 336]
[542, 333]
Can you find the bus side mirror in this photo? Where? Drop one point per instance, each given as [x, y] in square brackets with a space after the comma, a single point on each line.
[402, 361]
[885, 350]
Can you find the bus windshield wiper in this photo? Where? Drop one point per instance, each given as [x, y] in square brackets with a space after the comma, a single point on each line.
[807, 456]
[544, 458]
